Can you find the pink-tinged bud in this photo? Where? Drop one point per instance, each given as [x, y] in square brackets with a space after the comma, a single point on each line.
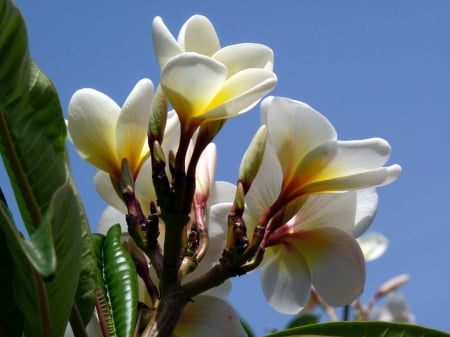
[204, 175]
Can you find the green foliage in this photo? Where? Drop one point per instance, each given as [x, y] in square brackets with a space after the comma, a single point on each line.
[32, 145]
[117, 292]
[360, 329]
[301, 320]
[46, 304]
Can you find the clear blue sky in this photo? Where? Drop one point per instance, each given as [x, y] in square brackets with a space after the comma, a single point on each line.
[374, 68]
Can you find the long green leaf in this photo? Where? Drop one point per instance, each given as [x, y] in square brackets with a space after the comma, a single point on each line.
[11, 319]
[46, 304]
[360, 329]
[117, 277]
[32, 145]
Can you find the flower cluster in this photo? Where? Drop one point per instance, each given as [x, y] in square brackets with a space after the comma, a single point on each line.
[301, 200]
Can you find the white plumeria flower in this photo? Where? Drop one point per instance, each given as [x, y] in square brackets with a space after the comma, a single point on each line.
[315, 193]
[373, 245]
[395, 310]
[316, 247]
[104, 134]
[204, 82]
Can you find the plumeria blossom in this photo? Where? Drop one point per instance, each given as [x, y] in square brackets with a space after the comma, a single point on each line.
[104, 134]
[315, 194]
[373, 245]
[395, 309]
[315, 247]
[205, 82]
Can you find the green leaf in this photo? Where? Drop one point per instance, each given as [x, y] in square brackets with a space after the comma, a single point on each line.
[32, 145]
[117, 278]
[302, 319]
[32, 128]
[361, 329]
[11, 319]
[46, 304]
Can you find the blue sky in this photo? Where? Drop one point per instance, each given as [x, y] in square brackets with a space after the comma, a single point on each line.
[374, 68]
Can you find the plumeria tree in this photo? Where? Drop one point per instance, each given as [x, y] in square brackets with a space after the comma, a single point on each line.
[172, 237]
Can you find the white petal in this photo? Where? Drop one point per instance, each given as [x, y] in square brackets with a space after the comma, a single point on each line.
[242, 56]
[105, 188]
[92, 126]
[209, 316]
[240, 93]
[222, 191]
[204, 174]
[110, 217]
[294, 128]
[164, 43]
[265, 188]
[373, 245]
[190, 81]
[198, 35]
[285, 279]
[367, 205]
[131, 131]
[145, 191]
[336, 264]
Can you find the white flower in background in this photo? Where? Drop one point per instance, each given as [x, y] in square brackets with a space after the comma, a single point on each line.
[395, 309]
[205, 82]
[104, 134]
[373, 245]
[315, 195]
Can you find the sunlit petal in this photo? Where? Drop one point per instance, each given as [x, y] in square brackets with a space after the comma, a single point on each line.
[242, 56]
[198, 35]
[222, 191]
[92, 126]
[285, 279]
[190, 81]
[336, 264]
[373, 245]
[105, 188]
[240, 93]
[366, 209]
[131, 130]
[164, 43]
[369, 178]
[209, 316]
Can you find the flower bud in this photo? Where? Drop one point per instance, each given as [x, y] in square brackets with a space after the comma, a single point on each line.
[252, 158]
[158, 117]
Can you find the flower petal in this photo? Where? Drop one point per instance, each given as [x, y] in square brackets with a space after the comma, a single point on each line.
[242, 56]
[190, 81]
[285, 279]
[92, 126]
[240, 93]
[367, 205]
[222, 191]
[198, 35]
[131, 130]
[164, 43]
[336, 264]
[209, 316]
[294, 128]
[110, 217]
[145, 191]
[369, 178]
[105, 188]
[373, 245]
